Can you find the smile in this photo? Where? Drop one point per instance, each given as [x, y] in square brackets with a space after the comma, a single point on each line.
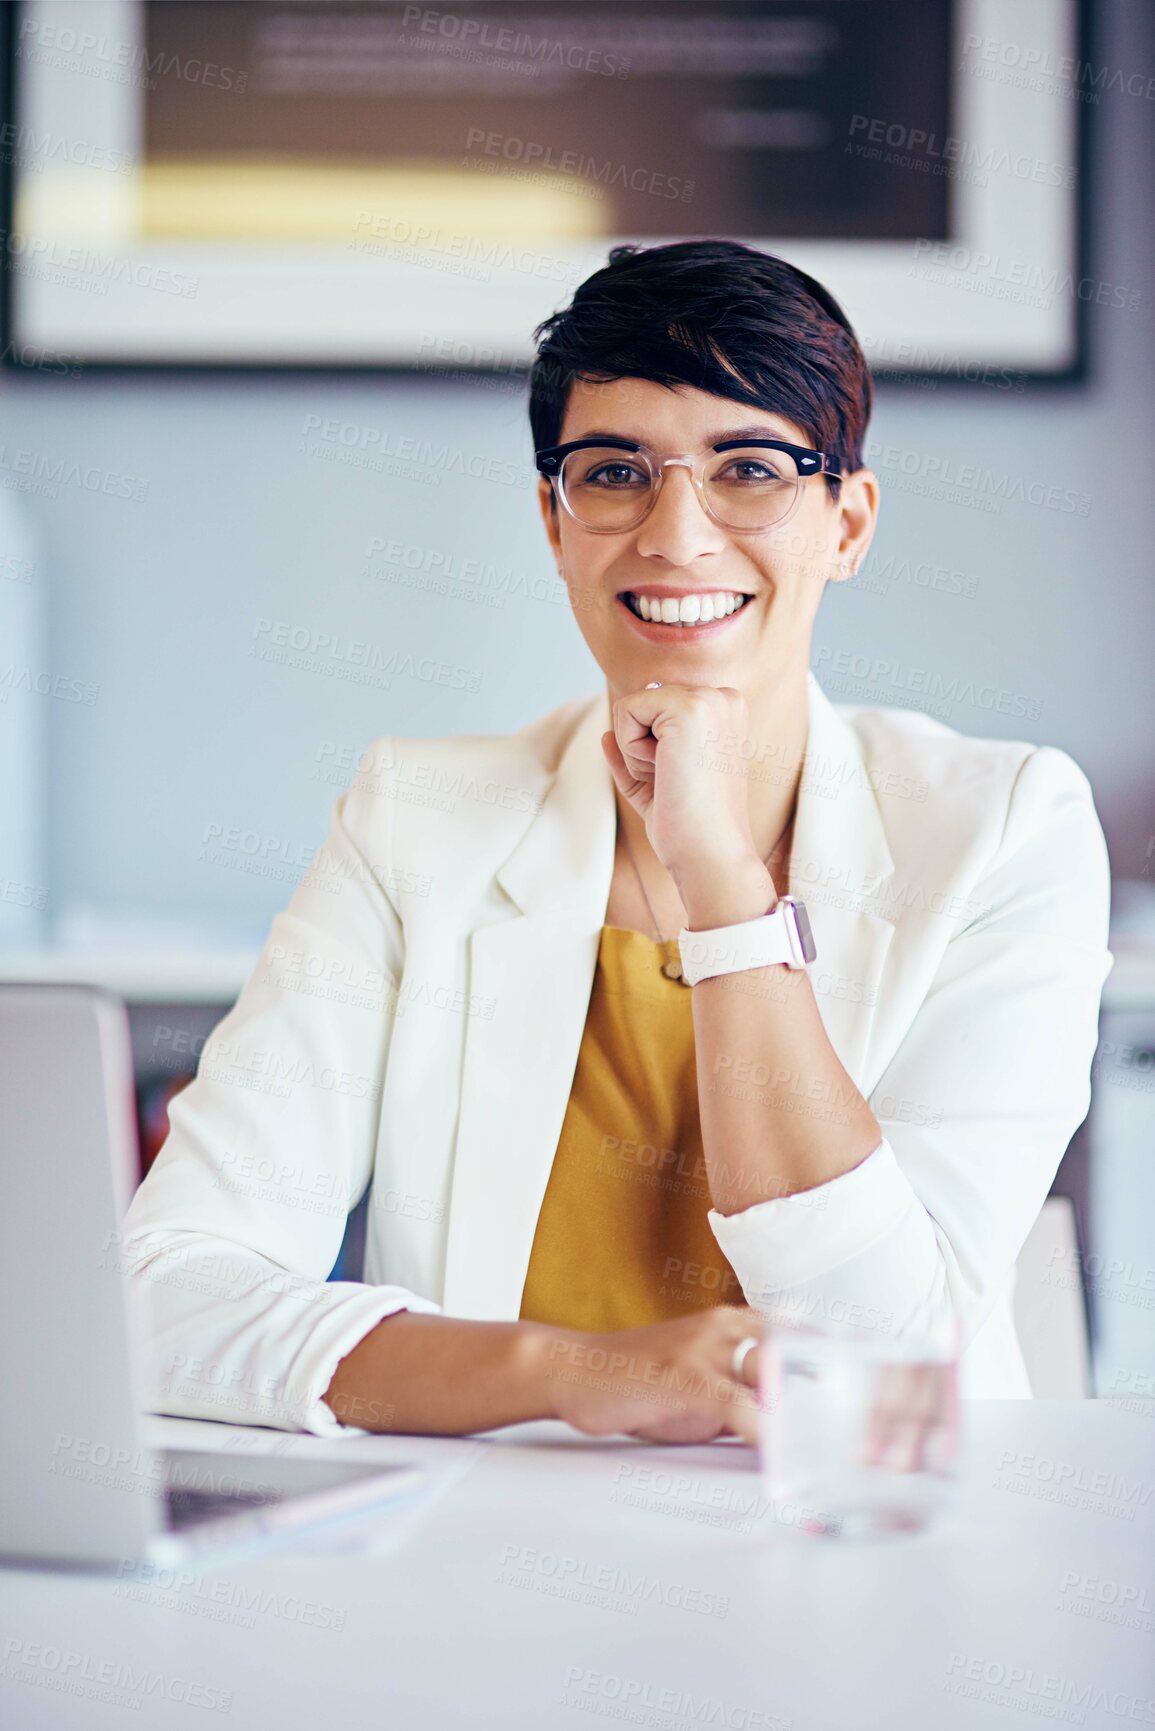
[686, 612]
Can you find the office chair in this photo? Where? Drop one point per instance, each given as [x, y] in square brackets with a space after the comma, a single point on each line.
[1050, 1308]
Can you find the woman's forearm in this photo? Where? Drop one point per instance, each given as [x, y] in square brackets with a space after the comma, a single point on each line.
[442, 1376]
[778, 1111]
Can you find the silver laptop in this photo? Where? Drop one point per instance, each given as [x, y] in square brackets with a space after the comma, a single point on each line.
[79, 1487]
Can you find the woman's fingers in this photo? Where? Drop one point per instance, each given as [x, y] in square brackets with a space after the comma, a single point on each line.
[669, 1382]
[909, 1408]
[743, 1418]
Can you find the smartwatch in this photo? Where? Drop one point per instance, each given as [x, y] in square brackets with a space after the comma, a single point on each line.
[782, 935]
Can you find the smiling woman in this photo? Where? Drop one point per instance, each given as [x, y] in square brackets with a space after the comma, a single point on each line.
[611, 1111]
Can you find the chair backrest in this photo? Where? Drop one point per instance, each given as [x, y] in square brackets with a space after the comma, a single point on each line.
[1050, 1308]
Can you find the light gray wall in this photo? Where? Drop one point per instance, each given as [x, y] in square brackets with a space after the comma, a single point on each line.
[157, 602]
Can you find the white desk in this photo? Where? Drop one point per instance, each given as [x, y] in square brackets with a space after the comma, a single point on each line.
[676, 1611]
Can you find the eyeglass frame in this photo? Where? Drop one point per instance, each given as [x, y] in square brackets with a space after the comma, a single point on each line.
[548, 461]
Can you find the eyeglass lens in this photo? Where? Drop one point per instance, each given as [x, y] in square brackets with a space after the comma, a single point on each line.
[607, 488]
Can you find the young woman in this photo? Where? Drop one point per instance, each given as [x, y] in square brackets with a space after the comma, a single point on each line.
[695, 997]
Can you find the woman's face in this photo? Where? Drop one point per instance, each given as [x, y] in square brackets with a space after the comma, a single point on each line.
[679, 550]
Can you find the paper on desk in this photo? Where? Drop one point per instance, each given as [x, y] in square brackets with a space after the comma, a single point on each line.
[374, 1531]
[377, 1532]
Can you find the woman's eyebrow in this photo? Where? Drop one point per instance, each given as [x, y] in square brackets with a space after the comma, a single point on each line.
[712, 439]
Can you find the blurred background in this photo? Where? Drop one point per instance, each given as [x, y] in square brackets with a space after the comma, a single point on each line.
[266, 480]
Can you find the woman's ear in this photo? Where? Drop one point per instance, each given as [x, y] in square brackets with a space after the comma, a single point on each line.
[858, 512]
[547, 504]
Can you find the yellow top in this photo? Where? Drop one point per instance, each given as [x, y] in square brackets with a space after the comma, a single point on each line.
[622, 1238]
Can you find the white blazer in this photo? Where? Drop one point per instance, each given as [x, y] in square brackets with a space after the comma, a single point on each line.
[413, 1024]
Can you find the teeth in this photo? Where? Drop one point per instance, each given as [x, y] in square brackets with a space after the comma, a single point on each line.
[689, 610]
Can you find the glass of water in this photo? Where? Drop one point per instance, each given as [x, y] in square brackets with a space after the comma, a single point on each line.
[860, 1427]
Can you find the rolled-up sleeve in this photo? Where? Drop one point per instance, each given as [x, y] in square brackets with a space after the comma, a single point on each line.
[977, 1104]
[230, 1238]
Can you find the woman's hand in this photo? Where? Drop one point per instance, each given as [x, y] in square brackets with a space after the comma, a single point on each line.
[667, 1382]
[913, 1418]
[668, 756]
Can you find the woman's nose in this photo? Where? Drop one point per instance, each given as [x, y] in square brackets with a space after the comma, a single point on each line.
[678, 528]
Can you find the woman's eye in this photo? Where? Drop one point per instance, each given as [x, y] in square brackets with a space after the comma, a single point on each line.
[751, 470]
[618, 474]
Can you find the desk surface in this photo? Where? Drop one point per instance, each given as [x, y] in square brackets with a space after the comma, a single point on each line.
[560, 1580]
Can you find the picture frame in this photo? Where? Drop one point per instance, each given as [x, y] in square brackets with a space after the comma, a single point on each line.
[119, 257]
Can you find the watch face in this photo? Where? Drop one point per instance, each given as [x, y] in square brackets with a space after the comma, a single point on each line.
[806, 936]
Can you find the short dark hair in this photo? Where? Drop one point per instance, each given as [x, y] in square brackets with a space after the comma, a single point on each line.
[722, 317]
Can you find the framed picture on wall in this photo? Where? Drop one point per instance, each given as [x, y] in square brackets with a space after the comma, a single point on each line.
[361, 184]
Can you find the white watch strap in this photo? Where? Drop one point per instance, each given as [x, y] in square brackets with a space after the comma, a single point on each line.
[770, 938]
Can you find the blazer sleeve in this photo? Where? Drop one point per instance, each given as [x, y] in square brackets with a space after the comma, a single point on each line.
[230, 1237]
[978, 1103]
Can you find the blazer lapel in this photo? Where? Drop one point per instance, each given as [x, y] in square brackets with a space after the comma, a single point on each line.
[537, 965]
[840, 866]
